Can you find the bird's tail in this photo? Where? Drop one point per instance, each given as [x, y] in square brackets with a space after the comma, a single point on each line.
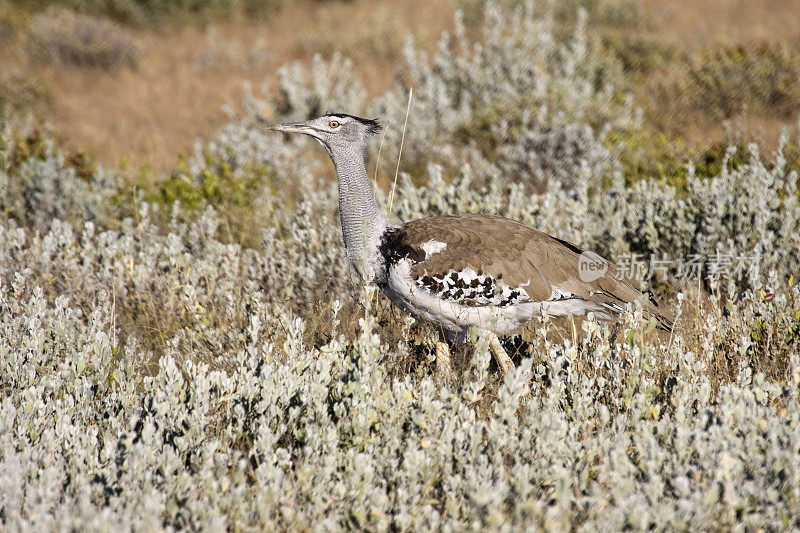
[609, 307]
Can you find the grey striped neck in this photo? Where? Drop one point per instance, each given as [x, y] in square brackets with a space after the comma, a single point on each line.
[362, 222]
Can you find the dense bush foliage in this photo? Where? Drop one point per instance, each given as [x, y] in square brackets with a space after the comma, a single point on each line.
[20, 97]
[63, 37]
[139, 12]
[156, 372]
[735, 79]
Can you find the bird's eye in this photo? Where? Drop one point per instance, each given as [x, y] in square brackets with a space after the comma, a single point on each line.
[333, 124]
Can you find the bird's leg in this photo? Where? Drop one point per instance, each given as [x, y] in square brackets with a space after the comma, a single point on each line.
[444, 367]
[500, 355]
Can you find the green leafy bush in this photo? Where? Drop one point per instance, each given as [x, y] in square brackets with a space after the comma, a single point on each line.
[645, 156]
[235, 193]
[216, 185]
[638, 55]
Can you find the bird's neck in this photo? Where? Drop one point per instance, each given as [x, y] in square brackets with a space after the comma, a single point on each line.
[362, 222]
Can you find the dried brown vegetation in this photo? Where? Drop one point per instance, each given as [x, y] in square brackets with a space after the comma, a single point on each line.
[185, 78]
[148, 115]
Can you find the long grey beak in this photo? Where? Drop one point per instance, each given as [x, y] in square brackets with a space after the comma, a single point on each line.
[293, 127]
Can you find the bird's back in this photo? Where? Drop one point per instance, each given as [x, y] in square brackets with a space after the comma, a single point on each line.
[475, 261]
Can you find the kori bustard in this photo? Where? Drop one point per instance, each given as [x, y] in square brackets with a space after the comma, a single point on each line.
[461, 271]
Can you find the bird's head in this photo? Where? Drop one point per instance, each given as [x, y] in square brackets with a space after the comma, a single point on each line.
[335, 131]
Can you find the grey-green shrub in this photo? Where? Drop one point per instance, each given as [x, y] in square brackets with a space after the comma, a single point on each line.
[42, 189]
[320, 436]
[518, 77]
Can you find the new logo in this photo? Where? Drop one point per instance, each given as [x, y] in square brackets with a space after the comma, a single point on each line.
[591, 266]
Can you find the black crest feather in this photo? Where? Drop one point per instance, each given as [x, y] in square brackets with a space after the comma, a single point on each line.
[372, 124]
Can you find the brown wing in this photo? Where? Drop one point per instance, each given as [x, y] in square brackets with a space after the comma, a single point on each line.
[514, 254]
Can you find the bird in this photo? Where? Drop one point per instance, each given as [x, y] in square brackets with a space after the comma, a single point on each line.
[463, 272]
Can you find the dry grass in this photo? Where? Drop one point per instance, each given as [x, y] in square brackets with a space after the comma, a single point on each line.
[65, 38]
[148, 115]
[690, 29]
[697, 25]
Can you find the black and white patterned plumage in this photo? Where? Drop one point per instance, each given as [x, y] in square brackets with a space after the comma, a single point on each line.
[472, 289]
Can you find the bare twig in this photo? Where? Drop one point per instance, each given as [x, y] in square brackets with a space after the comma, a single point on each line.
[402, 140]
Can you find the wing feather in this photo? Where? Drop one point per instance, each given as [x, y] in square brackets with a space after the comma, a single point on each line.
[517, 254]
